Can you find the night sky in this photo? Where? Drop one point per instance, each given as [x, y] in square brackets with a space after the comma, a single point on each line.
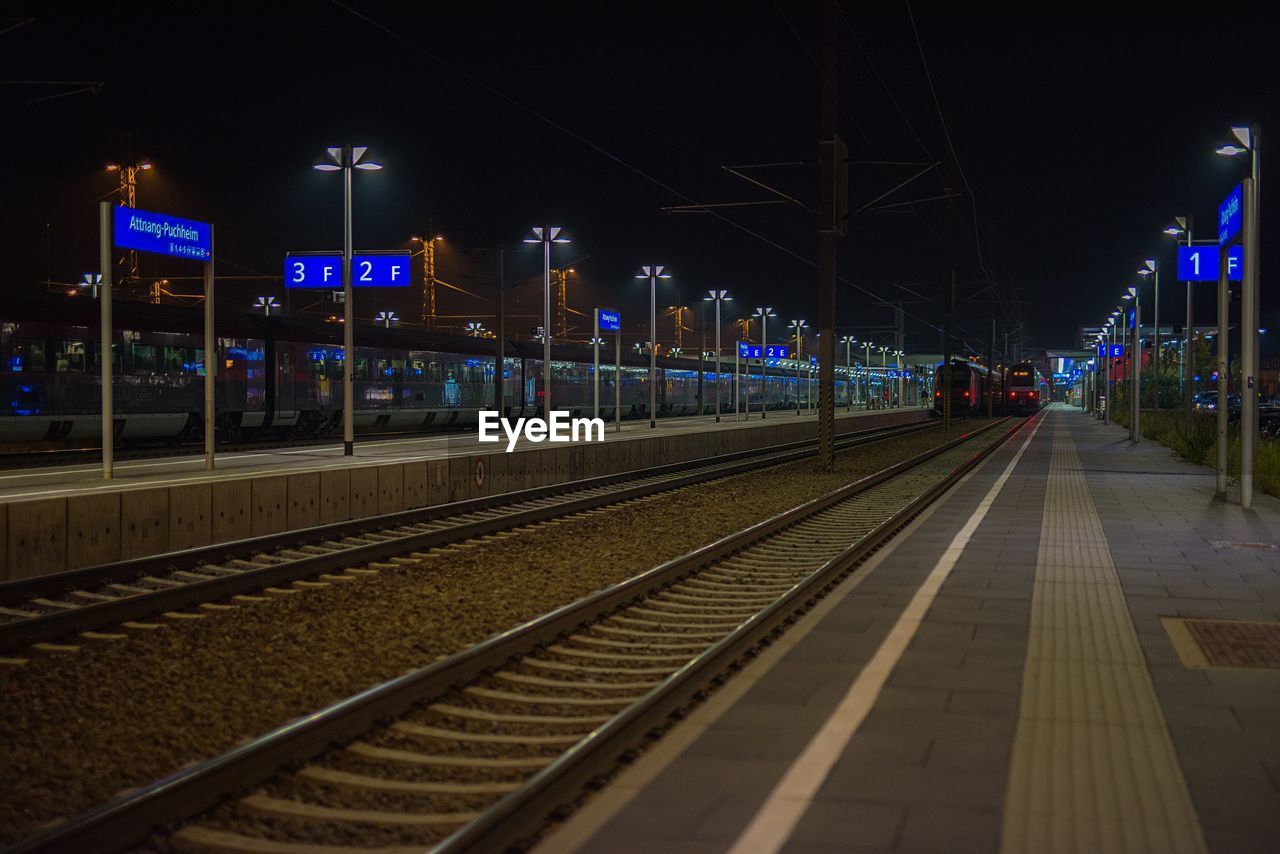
[1078, 133]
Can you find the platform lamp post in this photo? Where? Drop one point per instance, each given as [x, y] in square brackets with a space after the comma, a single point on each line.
[717, 296]
[345, 159]
[797, 327]
[848, 341]
[1250, 139]
[1111, 366]
[1181, 228]
[653, 272]
[1151, 269]
[386, 318]
[546, 235]
[866, 366]
[1135, 367]
[764, 313]
[595, 343]
[899, 354]
[266, 304]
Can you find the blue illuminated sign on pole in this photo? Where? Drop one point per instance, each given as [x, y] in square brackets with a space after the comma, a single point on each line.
[774, 351]
[313, 271]
[610, 320]
[813, 360]
[1200, 263]
[389, 270]
[1117, 351]
[368, 270]
[162, 234]
[749, 351]
[1229, 214]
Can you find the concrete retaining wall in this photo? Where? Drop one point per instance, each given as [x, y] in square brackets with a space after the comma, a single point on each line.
[54, 534]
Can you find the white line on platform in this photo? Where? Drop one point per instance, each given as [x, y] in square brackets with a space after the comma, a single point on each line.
[778, 816]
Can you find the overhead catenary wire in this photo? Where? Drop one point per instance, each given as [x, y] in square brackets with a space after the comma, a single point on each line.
[598, 148]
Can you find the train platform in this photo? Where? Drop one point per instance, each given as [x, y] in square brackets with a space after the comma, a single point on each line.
[1077, 649]
[65, 518]
[51, 481]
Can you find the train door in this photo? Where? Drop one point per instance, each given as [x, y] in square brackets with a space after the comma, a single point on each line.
[286, 404]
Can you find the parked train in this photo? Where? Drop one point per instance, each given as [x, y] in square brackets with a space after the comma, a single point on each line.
[282, 377]
[1027, 390]
[968, 385]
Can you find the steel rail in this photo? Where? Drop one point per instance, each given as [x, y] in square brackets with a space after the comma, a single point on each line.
[130, 817]
[94, 615]
[519, 817]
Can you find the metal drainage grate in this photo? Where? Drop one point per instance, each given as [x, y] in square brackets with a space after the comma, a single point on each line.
[1225, 643]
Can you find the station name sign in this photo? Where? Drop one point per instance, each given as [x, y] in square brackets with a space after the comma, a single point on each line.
[161, 234]
[368, 270]
[1230, 213]
[610, 320]
[749, 351]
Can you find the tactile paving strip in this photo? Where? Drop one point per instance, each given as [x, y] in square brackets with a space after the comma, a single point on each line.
[1093, 768]
[1225, 643]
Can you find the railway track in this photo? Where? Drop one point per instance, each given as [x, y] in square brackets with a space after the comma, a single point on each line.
[75, 605]
[475, 751]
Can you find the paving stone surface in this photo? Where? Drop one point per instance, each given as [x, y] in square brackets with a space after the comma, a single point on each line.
[928, 769]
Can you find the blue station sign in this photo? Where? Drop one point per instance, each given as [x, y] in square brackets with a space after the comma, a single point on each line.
[813, 360]
[610, 320]
[162, 234]
[774, 351]
[1117, 351]
[1200, 263]
[749, 351]
[368, 270]
[1230, 213]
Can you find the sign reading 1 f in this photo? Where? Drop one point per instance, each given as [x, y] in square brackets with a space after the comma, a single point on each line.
[1200, 263]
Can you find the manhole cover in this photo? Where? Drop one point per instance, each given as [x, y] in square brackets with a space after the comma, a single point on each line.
[1225, 643]
[1248, 547]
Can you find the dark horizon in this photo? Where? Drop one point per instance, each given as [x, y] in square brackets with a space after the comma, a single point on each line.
[490, 123]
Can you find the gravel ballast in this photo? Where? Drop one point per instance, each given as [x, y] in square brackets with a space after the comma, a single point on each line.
[76, 729]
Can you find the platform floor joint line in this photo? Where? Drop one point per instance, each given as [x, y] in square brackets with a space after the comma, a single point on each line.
[1093, 766]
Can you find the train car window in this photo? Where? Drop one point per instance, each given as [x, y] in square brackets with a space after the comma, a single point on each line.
[69, 357]
[26, 355]
[177, 360]
[197, 366]
[360, 370]
[144, 358]
[397, 369]
[417, 369]
[315, 361]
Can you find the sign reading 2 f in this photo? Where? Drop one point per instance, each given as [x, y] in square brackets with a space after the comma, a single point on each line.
[1200, 263]
[1229, 215]
[368, 270]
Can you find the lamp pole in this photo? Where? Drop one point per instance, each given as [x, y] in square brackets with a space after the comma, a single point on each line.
[718, 296]
[344, 159]
[546, 235]
[653, 272]
[1152, 270]
[764, 314]
[1135, 369]
[1250, 137]
[798, 326]
[848, 341]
